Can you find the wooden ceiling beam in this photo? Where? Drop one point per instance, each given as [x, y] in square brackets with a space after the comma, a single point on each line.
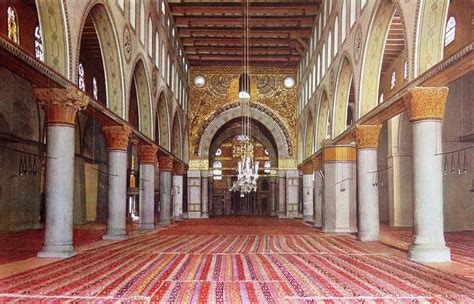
[224, 22]
[238, 42]
[236, 33]
[239, 58]
[179, 10]
[253, 50]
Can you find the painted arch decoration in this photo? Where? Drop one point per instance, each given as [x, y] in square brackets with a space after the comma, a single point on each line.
[323, 119]
[309, 137]
[163, 121]
[176, 138]
[144, 101]
[341, 101]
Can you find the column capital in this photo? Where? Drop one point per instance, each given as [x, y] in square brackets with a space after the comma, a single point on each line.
[425, 103]
[166, 163]
[61, 105]
[317, 162]
[147, 153]
[117, 137]
[178, 168]
[339, 153]
[366, 136]
[307, 168]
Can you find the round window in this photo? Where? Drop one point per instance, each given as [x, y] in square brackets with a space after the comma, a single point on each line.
[199, 81]
[289, 82]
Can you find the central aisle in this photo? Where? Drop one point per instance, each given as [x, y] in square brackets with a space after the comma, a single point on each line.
[237, 259]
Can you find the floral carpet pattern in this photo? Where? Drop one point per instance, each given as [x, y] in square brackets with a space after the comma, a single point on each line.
[276, 262]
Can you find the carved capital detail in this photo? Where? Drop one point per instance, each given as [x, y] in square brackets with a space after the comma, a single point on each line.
[425, 103]
[317, 162]
[61, 105]
[117, 137]
[147, 154]
[166, 163]
[366, 136]
[179, 169]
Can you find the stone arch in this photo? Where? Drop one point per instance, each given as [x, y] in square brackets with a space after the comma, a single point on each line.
[176, 136]
[228, 114]
[140, 79]
[300, 143]
[323, 116]
[186, 147]
[429, 46]
[373, 55]
[309, 137]
[162, 113]
[341, 96]
[55, 34]
[110, 53]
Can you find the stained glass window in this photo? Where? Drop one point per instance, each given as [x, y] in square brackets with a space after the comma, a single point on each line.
[39, 44]
[450, 32]
[95, 90]
[12, 23]
[81, 82]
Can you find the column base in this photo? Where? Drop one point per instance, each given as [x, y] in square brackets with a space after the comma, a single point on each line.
[282, 215]
[178, 218]
[115, 237]
[144, 226]
[185, 216]
[204, 215]
[59, 251]
[429, 254]
[164, 223]
[294, 215]
[273, 213]
[339, 230]
[308, 218]
[368, 237]
[194, 215]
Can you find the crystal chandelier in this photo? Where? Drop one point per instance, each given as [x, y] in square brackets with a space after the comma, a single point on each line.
[247, 169]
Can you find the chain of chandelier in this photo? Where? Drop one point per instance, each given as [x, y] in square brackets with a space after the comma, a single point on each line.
[247, 169]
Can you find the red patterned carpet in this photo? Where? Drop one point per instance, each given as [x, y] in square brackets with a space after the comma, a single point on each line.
[17, 246]
[212, 261]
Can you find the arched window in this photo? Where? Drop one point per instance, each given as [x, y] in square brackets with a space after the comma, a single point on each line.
[450, 32]
[267, 165]
[217, 172]
[218, 152]
[39, 52]
[319, 70]
[353, 12]
[343, 21]
[150, 37]
[393, 80]
[121, 4]
[323, 65]
[163, 7]
[329, 48]
[405, 70]
[157, 49]
[142, 22]
[311, 84]
[336, 36]
[314, 79]
[95, 90]
[163, 61]
[168, 70]
[80, 79]
[12, 25]
[320, 27]
[381, 98]
[363, 3]
[133, 11]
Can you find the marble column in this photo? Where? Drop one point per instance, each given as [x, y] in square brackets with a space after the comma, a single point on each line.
[166, 169]
[61, 107]
[340, 206]
[292, 193]
[117, 144]
[148, 159]
[178, 172]
[281, 193]
[194, 194]
[366, 138]
[205, 194]
[274, 195]
[308, 196]
[318, 190]
[425, 109]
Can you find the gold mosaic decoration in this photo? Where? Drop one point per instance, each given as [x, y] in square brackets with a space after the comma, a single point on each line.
[221, 89]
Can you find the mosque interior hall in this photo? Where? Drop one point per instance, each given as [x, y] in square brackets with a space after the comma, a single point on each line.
[236, 151]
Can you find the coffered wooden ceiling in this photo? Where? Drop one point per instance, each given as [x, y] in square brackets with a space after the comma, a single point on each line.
[212, 31]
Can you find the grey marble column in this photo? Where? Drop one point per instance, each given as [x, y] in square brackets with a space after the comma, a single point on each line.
[194, 194]
[425, 111]
[282, 194]
[318, 198]
[148, 160]
[61, 107]
[274, 195]
[292, 194]
[117, 144]
[178, 172]
[308, 196]
[205, 194]
[166, 169]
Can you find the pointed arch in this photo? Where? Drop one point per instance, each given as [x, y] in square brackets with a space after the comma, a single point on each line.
[163, 121]
[342, 94]
[309, 137]
[112, 61]
[323, 118]
[140, 80]
[177, 136]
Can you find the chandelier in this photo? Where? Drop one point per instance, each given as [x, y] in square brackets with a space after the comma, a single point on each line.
[247, 169]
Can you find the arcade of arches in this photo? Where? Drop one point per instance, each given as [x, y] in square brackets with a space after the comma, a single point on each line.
[119, 127]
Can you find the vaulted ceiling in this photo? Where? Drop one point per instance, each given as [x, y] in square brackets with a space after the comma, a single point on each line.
[212, 30]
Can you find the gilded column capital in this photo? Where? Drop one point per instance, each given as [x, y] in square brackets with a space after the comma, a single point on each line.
[179, 168]
[366, 136]
[61, 105]
[307, 168]
[117, 137]
[425, 103]
[166, 163]
[339, 153]
[147, 154]
[317, 162]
